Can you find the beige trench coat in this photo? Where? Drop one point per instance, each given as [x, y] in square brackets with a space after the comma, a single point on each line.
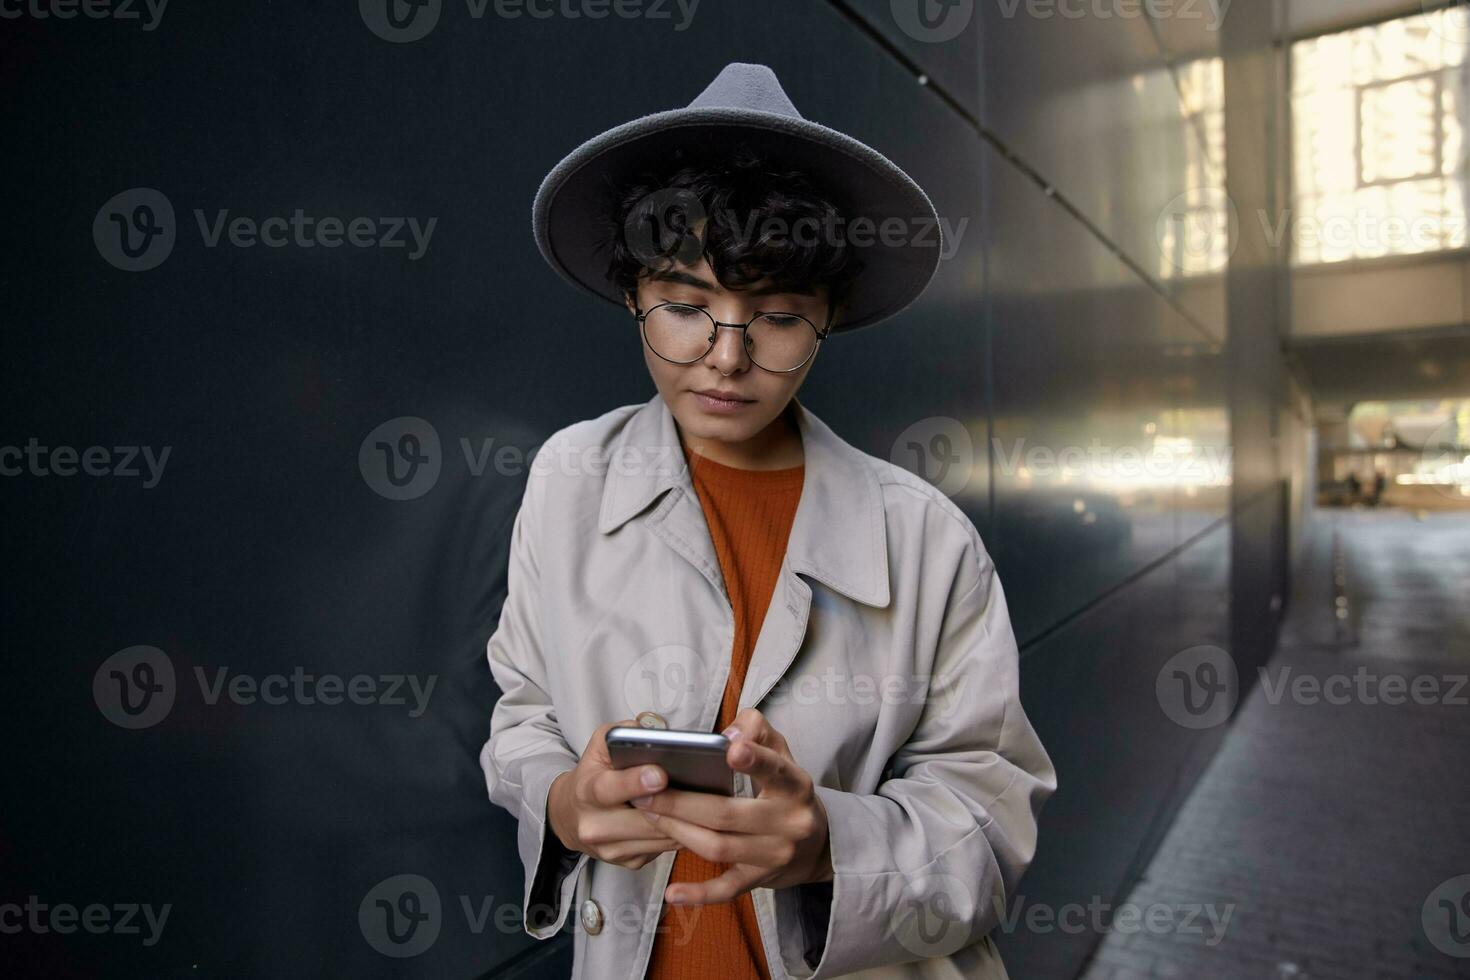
[886, 658]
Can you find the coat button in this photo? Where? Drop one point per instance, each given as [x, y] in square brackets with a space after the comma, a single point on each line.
[591, 917]
[651, 719]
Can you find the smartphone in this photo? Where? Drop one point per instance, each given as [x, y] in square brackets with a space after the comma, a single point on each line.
[694, 760]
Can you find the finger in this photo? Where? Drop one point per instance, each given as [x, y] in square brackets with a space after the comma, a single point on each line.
[771, 770]
[750, 724]
[765, 850]
[758, 729]
[597, 744]
[652, 847]
[726, 888]
[613, 787]
[618, 824]
[732, 814]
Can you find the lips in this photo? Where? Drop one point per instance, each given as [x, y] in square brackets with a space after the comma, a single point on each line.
[724, 396]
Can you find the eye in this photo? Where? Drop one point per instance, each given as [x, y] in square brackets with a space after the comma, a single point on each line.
[782, 320]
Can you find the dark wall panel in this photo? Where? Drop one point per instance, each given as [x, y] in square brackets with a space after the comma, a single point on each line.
[269, 545]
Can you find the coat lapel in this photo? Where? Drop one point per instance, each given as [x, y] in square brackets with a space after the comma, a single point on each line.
[838, 534]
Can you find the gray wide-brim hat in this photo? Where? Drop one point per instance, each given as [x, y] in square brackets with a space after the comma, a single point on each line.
[745, 102]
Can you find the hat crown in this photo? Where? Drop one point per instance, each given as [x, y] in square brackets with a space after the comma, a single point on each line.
[746, 86]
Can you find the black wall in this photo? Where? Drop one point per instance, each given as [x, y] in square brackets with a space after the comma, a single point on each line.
[272, 543]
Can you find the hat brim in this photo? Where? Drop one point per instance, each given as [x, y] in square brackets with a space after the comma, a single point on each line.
[897, 267]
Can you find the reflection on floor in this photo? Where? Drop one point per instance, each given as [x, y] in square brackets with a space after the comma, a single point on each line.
[1326, 837]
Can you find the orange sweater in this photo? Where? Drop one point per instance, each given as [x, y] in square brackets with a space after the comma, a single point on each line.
[749, 513]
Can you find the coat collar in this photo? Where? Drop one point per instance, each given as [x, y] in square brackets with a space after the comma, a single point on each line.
[838, 535]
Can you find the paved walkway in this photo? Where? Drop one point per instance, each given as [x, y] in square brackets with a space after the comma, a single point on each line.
[1331, 824]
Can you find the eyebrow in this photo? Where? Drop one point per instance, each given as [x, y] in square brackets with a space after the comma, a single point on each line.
[689, 279]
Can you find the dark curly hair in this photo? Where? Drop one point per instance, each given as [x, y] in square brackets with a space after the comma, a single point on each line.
[757, 205]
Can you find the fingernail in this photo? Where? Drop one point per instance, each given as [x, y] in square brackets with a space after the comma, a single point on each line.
[650, 778]
[732, 733]
[642, 800]
[649, 814]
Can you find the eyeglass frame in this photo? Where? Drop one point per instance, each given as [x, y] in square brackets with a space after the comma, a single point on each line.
[642, 318]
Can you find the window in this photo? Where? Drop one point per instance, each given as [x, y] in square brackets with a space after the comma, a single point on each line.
[1379, 116]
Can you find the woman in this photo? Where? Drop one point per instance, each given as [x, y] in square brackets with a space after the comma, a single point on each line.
[718, 559]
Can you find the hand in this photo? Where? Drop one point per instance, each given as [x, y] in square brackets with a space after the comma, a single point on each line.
[587, 807]
[774, 840]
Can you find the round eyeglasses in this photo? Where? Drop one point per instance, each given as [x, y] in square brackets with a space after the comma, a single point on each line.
[683, 334]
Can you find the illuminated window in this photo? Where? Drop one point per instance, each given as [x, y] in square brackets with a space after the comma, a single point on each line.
[1379, 116]
[1194, 232]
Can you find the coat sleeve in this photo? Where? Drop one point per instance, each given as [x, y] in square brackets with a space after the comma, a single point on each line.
[923, 866]
[526, 749]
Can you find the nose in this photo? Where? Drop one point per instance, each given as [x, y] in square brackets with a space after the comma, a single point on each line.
[729, 352]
